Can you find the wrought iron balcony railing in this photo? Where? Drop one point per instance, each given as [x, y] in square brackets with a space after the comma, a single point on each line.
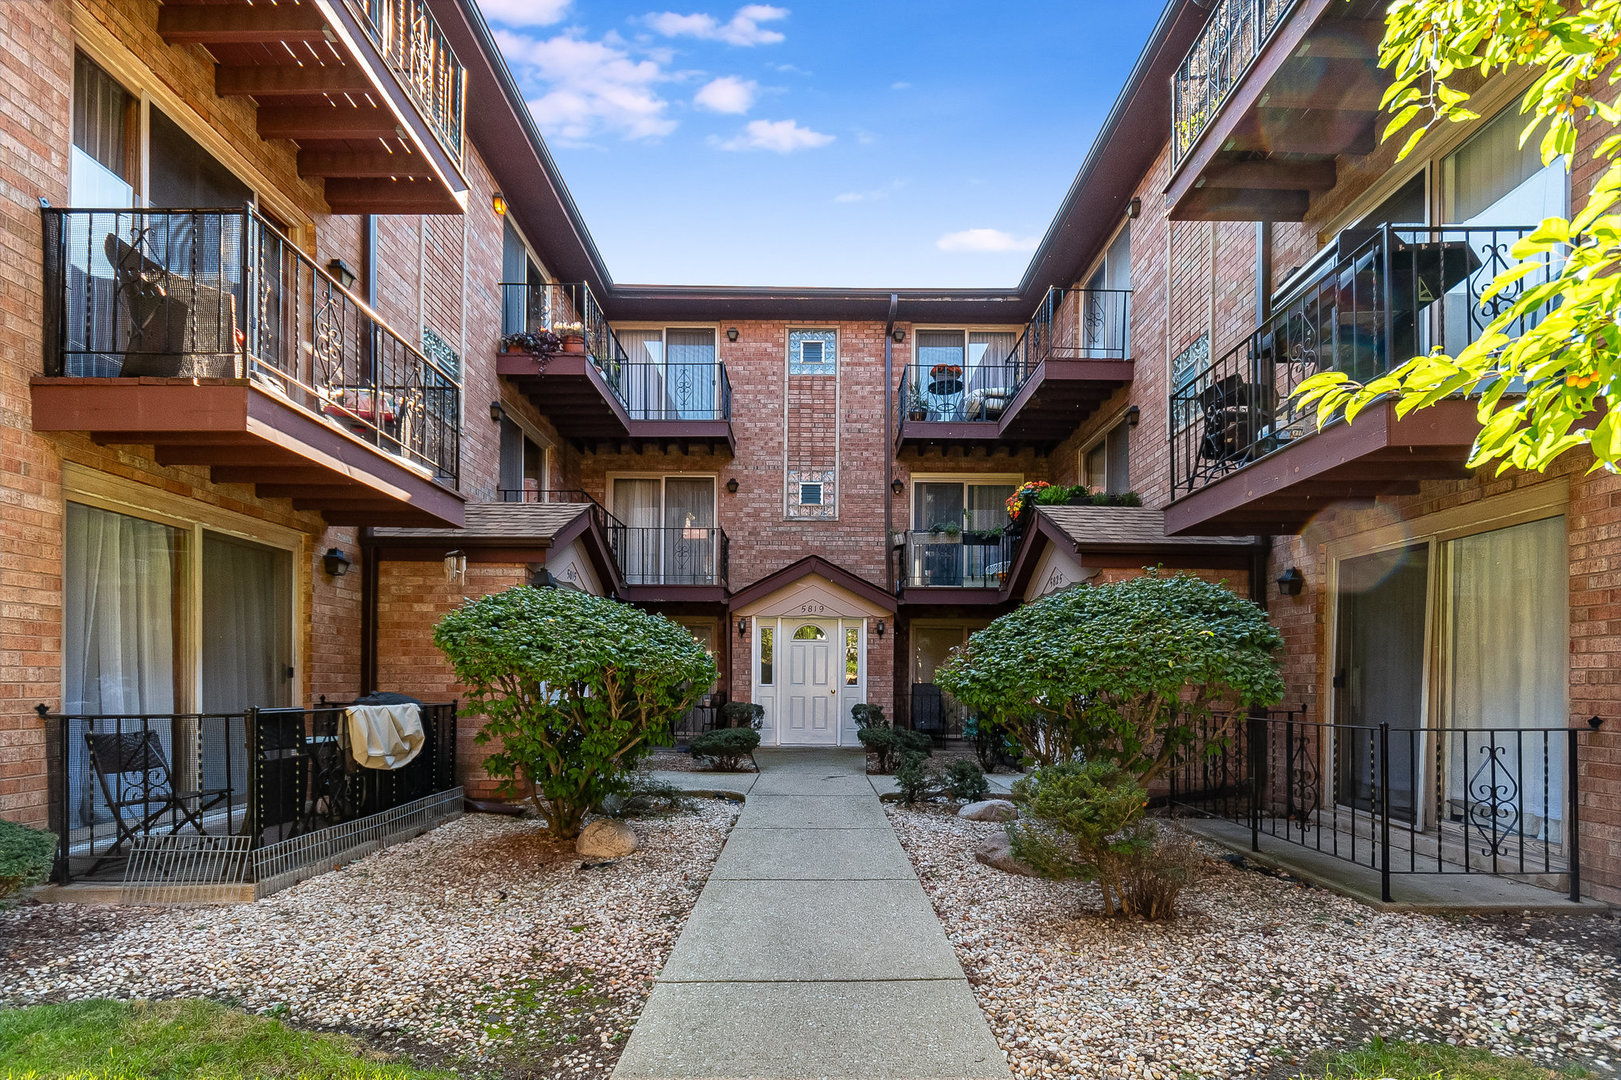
[958, 558]
[1220, 56]
[668, 389]
[1386, 295]
[407, 34]
[1072, 324]
[680, 555]
[223, 294]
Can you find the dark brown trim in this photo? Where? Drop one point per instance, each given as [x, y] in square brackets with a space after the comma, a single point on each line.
[813, 565]
[233, 424]
[1027, 420]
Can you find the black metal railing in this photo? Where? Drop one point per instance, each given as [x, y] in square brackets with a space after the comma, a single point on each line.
[935, 713]
[1397, 800]
[958, 558]
[680, 555]
[612, 527]
[223, 294]
[265, 774]
[669, 389]
[1231, 40]
[1071, 324]
[1384, 296]
[702, 717]
[409, 37]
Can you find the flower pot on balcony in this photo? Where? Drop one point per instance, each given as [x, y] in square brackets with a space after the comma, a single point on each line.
[917, 414]
[574, 343]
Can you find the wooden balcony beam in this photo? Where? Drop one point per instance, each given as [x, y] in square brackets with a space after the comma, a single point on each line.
[335, 121]
[1244, 204]
[1344, 39]
[264, 81]
[241, 24]
[1272, 175]
[403, 195]
[362, 164]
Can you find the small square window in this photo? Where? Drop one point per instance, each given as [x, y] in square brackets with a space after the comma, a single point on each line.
[810, 494]
[810, 352]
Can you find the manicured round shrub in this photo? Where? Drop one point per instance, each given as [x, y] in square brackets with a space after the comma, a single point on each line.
[575, 690]
[742, 714]
[726, 747]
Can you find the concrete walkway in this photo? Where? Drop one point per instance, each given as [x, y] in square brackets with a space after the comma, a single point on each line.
[813, 952]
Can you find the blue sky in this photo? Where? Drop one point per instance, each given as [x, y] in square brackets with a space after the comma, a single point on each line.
[841, 142]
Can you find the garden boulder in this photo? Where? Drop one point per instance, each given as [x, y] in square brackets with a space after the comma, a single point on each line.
[989, 810]
[605, 838]
[996, 851]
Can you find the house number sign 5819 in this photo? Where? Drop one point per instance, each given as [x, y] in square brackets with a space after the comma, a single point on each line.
[812, 607]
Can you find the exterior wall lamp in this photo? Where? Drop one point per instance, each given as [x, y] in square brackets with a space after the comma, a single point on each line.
[497, 412]
[897, 487]
[335, 562]
[899, 335]
[498, 202]
[880, 629]
[1291, 582]
[1134, 416]
[742, 628]
[731, 333]
[340, 270]
[1134, 208]
[731, 486]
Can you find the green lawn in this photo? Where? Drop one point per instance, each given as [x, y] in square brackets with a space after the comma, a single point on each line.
[178, 1040]
[1396, 1060]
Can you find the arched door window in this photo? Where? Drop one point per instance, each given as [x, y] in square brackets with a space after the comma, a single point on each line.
[810, 633]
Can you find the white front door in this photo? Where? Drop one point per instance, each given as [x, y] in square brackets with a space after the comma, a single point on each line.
[809, 714]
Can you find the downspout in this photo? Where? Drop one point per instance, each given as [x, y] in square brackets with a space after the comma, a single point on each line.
[889, 445]
[369, 575]
[1263, 311]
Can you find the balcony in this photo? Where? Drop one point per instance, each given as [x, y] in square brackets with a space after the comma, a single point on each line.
[1071, 356]
[687, 562]
[1270, 94]
[370, 90]
[1247, 460]
[956, 559]
[211, 337]
[594, 393]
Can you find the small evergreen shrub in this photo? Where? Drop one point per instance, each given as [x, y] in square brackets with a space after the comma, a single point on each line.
[742, 714]
[868, 716]
[726, 747]
[644, 794]
[919, 781]
[889, 743]
[26, 855]
[965, 781]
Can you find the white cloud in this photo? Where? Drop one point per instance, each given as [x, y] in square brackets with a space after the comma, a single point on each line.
[985, 240]
[524, 12]
[779, 136]
[727, 94]
[590, 87]
[743, 29]
[900, 86]
[873, 195]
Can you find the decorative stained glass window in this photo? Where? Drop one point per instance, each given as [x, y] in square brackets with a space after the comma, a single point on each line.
[812, 352]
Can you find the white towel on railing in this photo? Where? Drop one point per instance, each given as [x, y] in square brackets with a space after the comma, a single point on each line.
[385, 736]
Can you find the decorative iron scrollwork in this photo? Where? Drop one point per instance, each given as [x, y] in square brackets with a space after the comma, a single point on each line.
[1494, 800]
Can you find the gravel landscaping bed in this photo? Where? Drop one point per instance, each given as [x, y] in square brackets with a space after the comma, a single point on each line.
[1256, 975]
[481, 944]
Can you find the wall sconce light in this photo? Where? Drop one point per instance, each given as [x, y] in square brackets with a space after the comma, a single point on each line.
[335, 562]
[1134, 208]
[1291, 581]
[340, 270]
[541, 578]
[897, 486]
[742, 628]
[731, 486]
[880, 629]
[497, 411]
[899, 336]
[498, 202]
[731, 333]
[455, 566]
[1134, 415]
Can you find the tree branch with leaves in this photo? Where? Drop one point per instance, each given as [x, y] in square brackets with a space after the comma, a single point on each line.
[1543, 377]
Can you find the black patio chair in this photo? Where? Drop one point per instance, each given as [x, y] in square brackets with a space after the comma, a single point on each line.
[133, 761]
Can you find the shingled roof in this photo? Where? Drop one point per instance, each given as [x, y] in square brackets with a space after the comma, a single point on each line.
[1127, 528]
[504, 522]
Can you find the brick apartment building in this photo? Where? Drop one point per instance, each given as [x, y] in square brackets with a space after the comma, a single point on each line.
[260, 431]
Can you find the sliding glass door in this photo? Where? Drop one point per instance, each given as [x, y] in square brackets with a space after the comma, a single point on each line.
[670, 533]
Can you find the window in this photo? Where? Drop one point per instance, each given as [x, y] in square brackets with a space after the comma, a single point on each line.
[1493, 180]
[852, 656]
[975, 505]
[670, 534]
[768, 650]
[810, 494]
[106, 138]
[1106, 466]
[810, 352]
[1187, 370]
[523, 465]
[810, 633]
[671, 374]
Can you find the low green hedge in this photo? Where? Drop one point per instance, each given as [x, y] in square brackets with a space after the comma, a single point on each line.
[25, 857]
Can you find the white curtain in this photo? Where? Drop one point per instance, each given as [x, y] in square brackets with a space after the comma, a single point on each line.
[119, 625]
[637, 504]
[690, 386]
[689, 542]
[643, 381]
[988, 352]
[1509, 616]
